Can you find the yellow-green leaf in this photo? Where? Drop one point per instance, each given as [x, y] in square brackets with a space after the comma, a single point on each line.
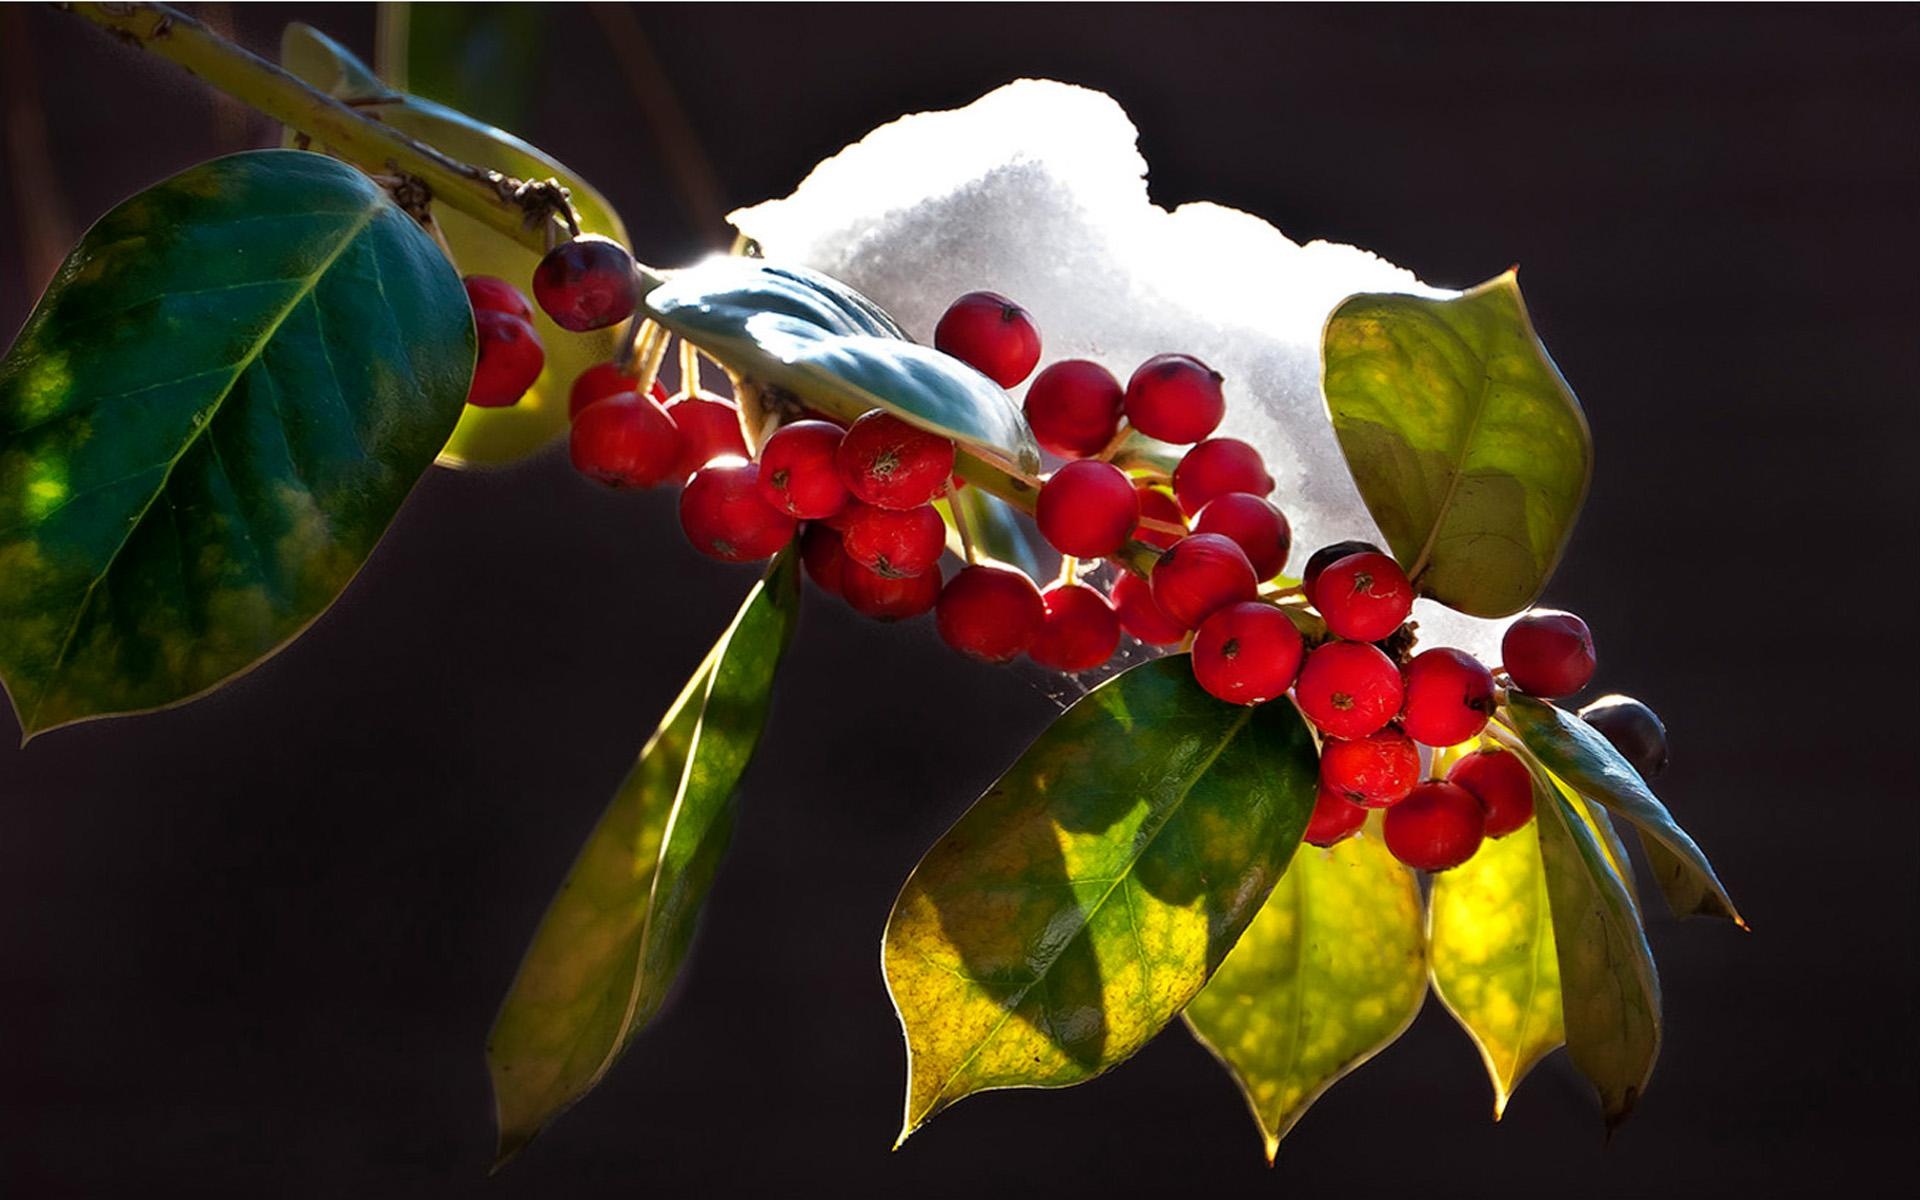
[1330, 972]
[1081, 903]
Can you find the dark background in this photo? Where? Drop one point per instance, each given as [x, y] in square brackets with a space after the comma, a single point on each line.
[253, 946]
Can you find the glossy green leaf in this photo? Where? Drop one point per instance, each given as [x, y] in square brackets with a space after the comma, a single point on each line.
[999, 532]
[1331, 971]
[485, 436]
[614, 936]
[1494, 961]
[1575, 752]
[1610, 993]
[1468, 447]
[208, 421]
[1081, 903]
[835, 350]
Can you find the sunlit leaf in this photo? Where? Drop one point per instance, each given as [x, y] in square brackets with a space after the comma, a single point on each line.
[999, 532]
[1330, 972]
[210, 418]
[1078, 906]
[615, 935]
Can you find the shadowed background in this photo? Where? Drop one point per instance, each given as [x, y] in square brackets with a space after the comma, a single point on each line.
[253, 946]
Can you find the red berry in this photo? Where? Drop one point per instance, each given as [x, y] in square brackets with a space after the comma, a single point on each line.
[1218, 466]
[1086, 509]
[1247, 653]
[510, 359]
[888, 541]
[1254, 524]
[625, 440]
[1548, 653]
[488, 294]
[587, 283]
[1436, 828]
[1375, 771]
[1348, 689]
[1364, 597]
[601, 380]
[1502, 785]
[797, 474]
[1325, 557]
[725, 515]
[991, 334]
[1335, 819]
[1449, 697]
[1201, 575]
[1081, 629]
[825, 558]
[1635, 730]
[709, 429]
[1074, 408]
[1157, 504]
[1176, 398]
[1140, 616]
[888, 599]
[885, 461]
[990, 613]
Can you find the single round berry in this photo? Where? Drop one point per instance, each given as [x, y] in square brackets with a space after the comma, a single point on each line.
[1087, 508]
[1176, 398]
[1502, 785]
[1548, 653]
[1436, 828]
[1199, 576]
[1364, 597]
[587, 283]
[625, 440]
[601, 380]
[1449, 697]
[885, 461]
[991, 334]
[1074, 408]
[1081, 629]
[1635, 730]
[1159, 506]
[824, 557]
[1218, 466]
[887, 541]
[1247, 653]
[797, 471]
[489, 294]
[1140, 616]
[1335, 819]
[1348, 689]
[1376, 771]
[1254, 524]
[886, 598]
[990, 613]
[510, 359]
[726, 516]
[1325, 557]
[709, 429]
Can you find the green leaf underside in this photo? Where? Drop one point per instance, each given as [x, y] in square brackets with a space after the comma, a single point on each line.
[1577, 753]
[834, 349]
[1610, 991]
[999, 532]
[1468, 447]
[485, 436]
[208, 421]
[1080, 904]
[614, 936]
[1495, 964]
[1329, 973]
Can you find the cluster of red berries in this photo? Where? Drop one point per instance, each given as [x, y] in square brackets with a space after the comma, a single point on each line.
[586, 283]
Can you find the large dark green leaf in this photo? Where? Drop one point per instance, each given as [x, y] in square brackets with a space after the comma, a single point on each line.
[1469, 448]
[825, 343]
[1331, 971]
[207, 423]
[1577, 753]
[485, 436]
[1081, 903]
[614, 936]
